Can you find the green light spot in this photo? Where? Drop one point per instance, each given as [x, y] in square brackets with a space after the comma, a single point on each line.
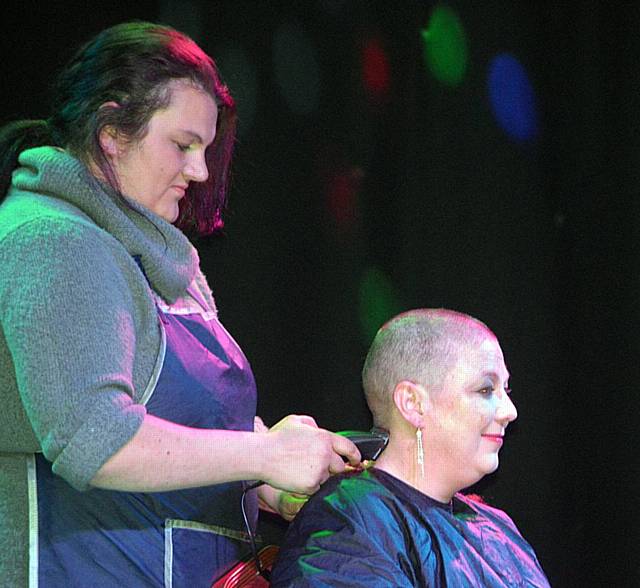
[320, 534]
[445, 46]
[379, 301]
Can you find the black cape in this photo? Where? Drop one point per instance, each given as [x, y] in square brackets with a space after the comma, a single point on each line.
[371, 529]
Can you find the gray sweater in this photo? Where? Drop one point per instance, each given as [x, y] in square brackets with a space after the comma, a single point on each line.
[80, 346]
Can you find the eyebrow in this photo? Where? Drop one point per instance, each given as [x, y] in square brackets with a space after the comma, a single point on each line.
[195, 135]
[494, 375]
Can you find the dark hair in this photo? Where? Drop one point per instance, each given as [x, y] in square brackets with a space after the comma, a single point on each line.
[132, 65]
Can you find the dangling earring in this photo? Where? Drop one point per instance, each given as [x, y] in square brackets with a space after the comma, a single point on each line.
[420, 451]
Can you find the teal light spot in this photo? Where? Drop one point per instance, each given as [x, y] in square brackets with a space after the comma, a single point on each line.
[296, 68]
[240, 75]
[379, 301]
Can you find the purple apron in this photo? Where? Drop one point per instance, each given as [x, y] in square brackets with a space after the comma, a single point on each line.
[181, 538]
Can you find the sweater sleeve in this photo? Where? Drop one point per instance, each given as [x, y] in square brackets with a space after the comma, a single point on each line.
[66, 312]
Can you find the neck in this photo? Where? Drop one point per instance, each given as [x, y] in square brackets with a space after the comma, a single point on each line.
[400, 460]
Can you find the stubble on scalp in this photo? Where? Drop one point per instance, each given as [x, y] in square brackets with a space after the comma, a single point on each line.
[421, 346]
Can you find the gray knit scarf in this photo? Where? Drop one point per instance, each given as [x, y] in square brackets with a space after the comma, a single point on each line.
[169, 260]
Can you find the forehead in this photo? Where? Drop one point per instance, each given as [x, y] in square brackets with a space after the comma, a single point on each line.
[483, 358]
[190, 109]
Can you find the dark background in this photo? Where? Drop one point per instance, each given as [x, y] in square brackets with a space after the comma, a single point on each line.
[419, 193]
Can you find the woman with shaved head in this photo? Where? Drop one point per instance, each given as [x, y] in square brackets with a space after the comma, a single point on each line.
[437, 381]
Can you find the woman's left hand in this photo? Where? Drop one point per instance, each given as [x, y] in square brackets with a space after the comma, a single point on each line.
[286, 504]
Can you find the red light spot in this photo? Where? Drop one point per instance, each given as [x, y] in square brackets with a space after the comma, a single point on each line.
[342, 196]
[375, 68]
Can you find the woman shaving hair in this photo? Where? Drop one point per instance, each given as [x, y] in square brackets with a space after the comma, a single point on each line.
[128, 410]
[437, 381]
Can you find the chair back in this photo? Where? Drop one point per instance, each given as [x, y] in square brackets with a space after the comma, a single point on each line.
[245, 573]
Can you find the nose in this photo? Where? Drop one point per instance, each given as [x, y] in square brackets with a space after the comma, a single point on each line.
[506, 411]
[195, 168]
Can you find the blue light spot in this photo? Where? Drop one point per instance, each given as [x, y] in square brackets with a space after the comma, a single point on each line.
[513, 98]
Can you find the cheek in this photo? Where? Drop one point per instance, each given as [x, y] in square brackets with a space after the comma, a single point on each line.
[471, 423]
[459, 425]
[489, 415]
[461, 433]
[169, 169]
[471, 417]
[485, 419]
[159, 160]
[167, 164]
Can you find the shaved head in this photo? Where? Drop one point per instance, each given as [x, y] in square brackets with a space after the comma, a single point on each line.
[421, 346]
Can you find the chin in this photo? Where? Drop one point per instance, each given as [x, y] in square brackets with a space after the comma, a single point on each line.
[491, 465]
[171, 216]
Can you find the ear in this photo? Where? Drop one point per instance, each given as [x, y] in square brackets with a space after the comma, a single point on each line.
[412, 401]
[108, 134]
[109, 141]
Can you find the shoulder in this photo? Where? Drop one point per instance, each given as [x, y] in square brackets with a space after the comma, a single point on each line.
[502, 539]
[477, 505]
[32, 223]
[41, 222]
[351, 533]
[55, 253]
[353, 492]
[347, 505]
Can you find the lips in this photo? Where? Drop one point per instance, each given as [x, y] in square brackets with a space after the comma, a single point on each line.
[499, 439]
[180, 189]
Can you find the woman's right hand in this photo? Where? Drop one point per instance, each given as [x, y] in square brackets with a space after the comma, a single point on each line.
[300, 456]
